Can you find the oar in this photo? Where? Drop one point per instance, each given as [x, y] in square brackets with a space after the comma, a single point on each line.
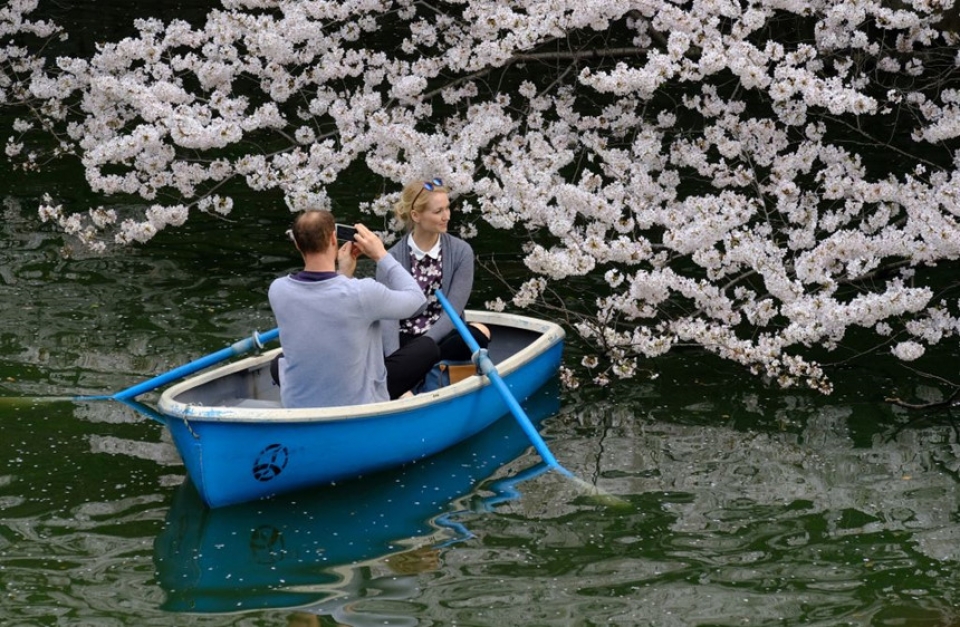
[256, 341]
[486, 366]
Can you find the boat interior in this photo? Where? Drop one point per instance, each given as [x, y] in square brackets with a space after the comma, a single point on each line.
[253, 386]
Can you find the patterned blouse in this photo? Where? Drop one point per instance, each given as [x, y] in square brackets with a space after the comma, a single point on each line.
[427, 270]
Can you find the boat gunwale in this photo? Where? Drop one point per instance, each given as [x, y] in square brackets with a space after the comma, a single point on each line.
[550, 334]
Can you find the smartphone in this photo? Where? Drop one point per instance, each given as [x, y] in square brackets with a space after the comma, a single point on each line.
[345, 232]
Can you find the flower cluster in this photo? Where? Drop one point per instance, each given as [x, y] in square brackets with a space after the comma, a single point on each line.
[711, 176]
[17, 62]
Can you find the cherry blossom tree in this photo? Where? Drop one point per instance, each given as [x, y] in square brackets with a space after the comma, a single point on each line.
[759, 178]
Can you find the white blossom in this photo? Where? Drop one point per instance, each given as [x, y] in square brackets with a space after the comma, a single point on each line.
[908, 351]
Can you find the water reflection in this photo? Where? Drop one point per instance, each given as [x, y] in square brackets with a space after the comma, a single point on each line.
[734, 524]
[323, 547]
[803, 522]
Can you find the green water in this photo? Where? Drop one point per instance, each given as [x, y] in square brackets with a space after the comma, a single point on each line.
[740, 504]
[743, 504]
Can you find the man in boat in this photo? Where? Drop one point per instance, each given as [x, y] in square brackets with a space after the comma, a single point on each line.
[330, 322]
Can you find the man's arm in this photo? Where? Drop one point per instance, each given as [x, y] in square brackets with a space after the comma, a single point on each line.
[403, 296]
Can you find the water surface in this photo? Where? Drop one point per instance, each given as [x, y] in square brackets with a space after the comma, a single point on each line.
[739, 504]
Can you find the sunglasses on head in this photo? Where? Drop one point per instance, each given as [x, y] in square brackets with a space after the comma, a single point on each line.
[429, 186]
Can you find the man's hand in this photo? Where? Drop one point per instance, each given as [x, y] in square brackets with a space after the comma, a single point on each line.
[347, 259]
[369, 243]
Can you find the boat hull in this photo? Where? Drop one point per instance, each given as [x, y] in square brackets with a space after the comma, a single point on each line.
[255, 449]
[315, 547]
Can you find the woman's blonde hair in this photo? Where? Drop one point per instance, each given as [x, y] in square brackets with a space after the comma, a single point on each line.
[413, 198]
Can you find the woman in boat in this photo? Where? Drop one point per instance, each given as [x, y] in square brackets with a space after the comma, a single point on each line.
[436, 259]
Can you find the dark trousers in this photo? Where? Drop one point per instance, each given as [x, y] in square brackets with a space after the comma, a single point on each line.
[417, 355]
[407, 365]
[453, 348]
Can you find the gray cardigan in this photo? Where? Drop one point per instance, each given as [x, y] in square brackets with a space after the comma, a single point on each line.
[457, 283]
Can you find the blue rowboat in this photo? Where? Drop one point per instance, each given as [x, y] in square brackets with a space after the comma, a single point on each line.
[317, 548]
[239, 444]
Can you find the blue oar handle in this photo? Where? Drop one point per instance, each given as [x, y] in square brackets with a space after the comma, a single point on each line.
[256, 341]
[483, 361]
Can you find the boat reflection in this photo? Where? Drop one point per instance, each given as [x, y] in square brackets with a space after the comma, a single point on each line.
[311, 547]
